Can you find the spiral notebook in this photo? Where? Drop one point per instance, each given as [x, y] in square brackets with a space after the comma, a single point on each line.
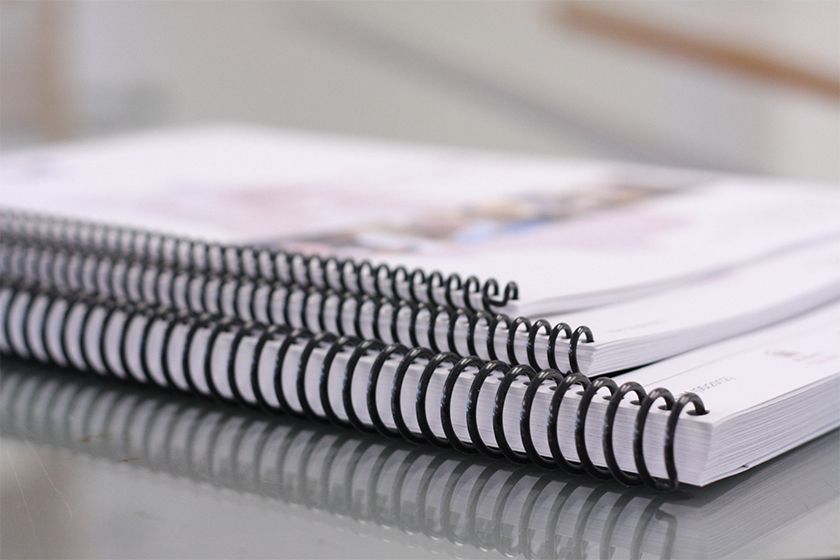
[539, 235]
[465, 403]
[588, 267]
[355, 484]
[592, 341]
[318, 294]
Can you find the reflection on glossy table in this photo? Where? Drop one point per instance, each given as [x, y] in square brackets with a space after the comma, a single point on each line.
[106, 470]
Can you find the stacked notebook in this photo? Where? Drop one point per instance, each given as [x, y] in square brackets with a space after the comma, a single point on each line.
[649, 325]
[366, 485]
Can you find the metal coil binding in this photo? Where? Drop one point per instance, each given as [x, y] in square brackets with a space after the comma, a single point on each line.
[360, 277]
[352, 476]
[19, 323]
[98, 273]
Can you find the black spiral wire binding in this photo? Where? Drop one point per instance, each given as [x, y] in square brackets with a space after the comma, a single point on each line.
[356, 477]
[17, 301]
[139, 282]
[360, 277]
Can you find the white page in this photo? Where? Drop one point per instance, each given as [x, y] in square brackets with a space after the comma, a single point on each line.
[570, 234]
[737, 375]
[722, 297]
[706, 311]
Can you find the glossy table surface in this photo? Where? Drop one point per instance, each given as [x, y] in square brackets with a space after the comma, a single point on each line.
[102, 470]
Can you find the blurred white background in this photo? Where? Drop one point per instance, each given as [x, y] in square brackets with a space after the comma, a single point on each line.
[740, 86]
